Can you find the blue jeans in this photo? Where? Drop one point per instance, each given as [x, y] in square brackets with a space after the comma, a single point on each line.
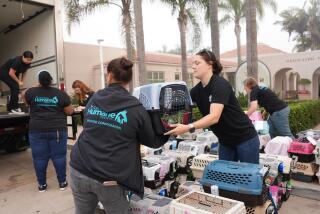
[279, 123]
[248, 151]
[49, 145]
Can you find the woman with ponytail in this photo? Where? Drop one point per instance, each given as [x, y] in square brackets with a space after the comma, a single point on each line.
[48, 129]
[216, 100]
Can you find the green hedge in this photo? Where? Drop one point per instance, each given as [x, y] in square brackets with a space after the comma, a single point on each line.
[303, 115]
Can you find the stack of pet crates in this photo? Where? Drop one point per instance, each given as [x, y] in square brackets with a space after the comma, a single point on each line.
[305, 168]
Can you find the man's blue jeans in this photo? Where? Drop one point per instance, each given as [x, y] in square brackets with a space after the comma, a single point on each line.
[279, 123]
[247, 151]
[49, 145]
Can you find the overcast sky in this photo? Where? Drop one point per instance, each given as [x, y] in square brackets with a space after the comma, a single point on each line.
[161, 28]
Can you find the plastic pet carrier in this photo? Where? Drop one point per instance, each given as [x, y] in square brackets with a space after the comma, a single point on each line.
[168, 165]
[208, 137]
[239, 181]
[282, 164]
[200, 162]
[203, 203]
[304, 171]
[187, 187]
[184, 159]
[195, 147]
[315, 134]
[267, 208]
[151, 203]
[303, 149]
[167, 103]
[151, 174]
[316, 153]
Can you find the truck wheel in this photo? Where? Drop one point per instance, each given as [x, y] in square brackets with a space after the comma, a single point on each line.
[16, 143]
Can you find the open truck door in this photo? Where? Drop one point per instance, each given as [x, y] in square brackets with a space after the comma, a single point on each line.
[34, 25]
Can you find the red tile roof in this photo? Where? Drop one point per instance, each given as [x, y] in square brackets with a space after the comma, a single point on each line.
[263, 49]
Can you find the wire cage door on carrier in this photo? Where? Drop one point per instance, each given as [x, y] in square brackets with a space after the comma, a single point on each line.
[167, 103]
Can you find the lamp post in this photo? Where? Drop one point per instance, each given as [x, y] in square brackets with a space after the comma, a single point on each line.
[101, 63]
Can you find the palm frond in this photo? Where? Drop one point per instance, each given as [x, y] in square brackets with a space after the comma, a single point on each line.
[196, 29]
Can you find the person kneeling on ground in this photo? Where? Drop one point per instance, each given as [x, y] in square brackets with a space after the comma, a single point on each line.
[106, 161]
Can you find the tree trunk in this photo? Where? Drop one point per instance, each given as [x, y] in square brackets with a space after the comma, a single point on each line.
[214, 24]
[251, 29]
[140, 41]
[127, 23]
[182, 22]
[237, 31]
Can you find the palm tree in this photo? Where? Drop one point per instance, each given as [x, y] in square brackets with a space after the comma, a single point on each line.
[214, 26]
[76, 10]
[251, 30]
[304, 24]
[235, 12]
[186, 15]
[140, 41]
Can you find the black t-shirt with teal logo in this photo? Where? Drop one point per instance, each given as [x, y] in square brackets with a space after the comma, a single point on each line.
[234, 127]
[47, 109]
[16, 64]
[267, 99]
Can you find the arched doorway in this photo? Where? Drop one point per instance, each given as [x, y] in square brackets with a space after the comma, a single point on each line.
[264, 76]
[280, 82]
[316, 84]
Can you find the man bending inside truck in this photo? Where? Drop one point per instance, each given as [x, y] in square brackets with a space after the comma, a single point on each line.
[10, 74]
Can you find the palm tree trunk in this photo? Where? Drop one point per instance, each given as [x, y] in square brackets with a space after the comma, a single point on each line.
[140, 41]
[251, 29]
[127, 22]
[237, 31]
[214, 24]
[182, 22]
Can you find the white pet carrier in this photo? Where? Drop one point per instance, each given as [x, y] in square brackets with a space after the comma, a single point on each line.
[203, 203]
[194, 147]
[200, 162]
[167, 103]
[168, 165]
[151, 174]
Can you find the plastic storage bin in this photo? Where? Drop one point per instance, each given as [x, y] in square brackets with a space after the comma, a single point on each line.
[239, 181]
[304, 171]
[150, 203]
[200, 162]
[303, 150]
[167, 103]
[202, 203]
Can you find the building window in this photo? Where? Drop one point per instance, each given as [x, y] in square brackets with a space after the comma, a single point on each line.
[190, 80]
[155, 76]
[176, 77]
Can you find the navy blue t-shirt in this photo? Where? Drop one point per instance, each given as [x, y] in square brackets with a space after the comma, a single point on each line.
[47, 109]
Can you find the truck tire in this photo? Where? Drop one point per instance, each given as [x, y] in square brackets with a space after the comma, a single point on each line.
[16, 143]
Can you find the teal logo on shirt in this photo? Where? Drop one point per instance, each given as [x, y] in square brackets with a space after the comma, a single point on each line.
[46, 101]
[105, 117]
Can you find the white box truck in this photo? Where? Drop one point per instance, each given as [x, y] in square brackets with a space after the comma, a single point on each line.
[34, 25]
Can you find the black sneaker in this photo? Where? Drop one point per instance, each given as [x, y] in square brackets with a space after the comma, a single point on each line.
[42, 188]
[63, 185]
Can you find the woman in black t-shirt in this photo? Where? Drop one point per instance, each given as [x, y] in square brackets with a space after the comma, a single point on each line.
[221, 112]
[279, 111]
[48, 129]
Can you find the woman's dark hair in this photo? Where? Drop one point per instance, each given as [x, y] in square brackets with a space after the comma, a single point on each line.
[28, 54]
[211, 59]
[121, 68]
[45, 79]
